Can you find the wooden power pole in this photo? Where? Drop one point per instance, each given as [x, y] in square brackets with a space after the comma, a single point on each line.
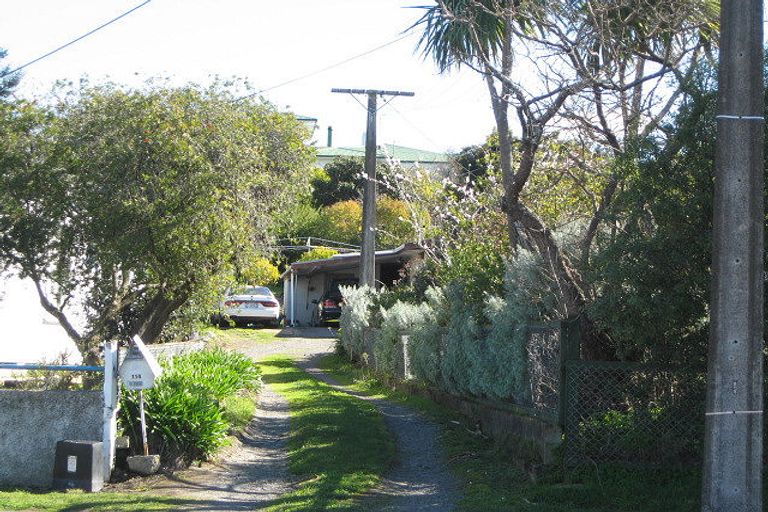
[732, 476]
[368, 250]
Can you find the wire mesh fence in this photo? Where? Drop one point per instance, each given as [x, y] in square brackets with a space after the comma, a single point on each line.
[543, 370]
[632, 413]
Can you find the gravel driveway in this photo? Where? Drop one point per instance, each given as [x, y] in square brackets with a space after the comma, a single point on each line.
[254, 473]
[419, 480]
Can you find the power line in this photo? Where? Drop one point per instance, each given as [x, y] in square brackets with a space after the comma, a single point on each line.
[323, 70]
[422, 132]
[75, 40]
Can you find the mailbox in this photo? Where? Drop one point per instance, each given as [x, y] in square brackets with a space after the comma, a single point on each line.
[139, 368]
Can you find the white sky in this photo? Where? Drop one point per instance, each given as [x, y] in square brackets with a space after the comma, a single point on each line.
[267, 42]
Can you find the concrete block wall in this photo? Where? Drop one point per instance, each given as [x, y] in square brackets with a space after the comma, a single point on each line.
[31, 422]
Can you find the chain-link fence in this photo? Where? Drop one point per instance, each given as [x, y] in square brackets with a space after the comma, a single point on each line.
[543, 370]
[632, 413]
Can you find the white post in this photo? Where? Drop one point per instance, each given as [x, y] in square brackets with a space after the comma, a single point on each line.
[109, 417]
[406, 362]
[293, 299]
[143, 423]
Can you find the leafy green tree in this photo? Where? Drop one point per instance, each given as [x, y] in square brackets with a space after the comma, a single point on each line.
[653, 276]
[318, 253]
[262, 272]
[8, 81]
[343, 179]
[128, 204]
[609, 72]
[342, 222]
[340, 180]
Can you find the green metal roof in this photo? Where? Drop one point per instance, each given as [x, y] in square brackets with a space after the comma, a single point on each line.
[401, 153]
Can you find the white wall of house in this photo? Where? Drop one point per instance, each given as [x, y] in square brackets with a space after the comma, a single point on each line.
[27, 333]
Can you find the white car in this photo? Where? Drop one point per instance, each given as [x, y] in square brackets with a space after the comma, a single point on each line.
[250, 304]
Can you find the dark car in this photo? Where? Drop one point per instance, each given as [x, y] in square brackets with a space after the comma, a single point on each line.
[329, 307]
[330, 303]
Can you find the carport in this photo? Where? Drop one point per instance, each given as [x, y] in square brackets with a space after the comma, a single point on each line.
[306, 281]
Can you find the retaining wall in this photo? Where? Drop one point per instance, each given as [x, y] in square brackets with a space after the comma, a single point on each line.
[31, 422]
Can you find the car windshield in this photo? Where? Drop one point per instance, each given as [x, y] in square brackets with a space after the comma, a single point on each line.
[254, 290]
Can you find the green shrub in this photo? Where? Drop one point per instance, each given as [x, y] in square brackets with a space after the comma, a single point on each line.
[186, 410]
[318, 253]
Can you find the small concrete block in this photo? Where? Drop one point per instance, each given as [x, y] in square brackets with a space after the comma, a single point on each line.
[78, 465]
[122, 442]
[144, 464]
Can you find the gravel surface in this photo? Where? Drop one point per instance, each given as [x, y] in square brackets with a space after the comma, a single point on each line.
[297, 343]
[253, 474]
[420, 479]
[247, 477]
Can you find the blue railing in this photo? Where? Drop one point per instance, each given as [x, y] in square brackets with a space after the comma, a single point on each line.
[51, 367]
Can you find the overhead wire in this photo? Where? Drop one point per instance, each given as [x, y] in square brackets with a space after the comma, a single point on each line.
[423, 134]
[327, 68]
[70, 43]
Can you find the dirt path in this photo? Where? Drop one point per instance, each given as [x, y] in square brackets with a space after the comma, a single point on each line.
[254, 472]
[420, 479]
[247, 477]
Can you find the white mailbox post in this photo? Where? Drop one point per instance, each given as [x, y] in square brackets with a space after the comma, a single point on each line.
[139, 368]
[139, 371]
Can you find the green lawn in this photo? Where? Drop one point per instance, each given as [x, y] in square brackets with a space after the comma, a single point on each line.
[77, 500]
[257, 335]
[494, 480]
[339, 446]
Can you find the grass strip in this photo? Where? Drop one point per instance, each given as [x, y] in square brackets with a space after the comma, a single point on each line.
[239, 409]
[493, 482]
[339, 446]
[234, 334]
[78, 500]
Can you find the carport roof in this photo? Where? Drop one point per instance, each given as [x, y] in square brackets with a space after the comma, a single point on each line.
[352, 260]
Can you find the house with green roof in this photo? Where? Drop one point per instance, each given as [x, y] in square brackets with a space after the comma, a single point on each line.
[390, 153]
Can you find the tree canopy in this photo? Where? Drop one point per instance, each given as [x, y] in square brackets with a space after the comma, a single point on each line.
[8, 80]
[343, 179]
[125, 204]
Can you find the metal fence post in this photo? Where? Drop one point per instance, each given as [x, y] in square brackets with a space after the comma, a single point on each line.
[570, 350]
[111, 390]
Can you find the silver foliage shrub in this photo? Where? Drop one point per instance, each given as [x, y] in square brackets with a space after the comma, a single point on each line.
[355, 318]
[400, 319]
[425, 344]
[462, 348]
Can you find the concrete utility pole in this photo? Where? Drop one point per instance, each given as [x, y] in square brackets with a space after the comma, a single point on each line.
[732, 476]
[368, 251]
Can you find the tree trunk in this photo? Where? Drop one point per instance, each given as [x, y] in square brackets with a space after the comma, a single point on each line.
[156, 314]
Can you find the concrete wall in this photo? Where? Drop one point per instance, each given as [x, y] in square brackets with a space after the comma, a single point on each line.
[31, 422]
